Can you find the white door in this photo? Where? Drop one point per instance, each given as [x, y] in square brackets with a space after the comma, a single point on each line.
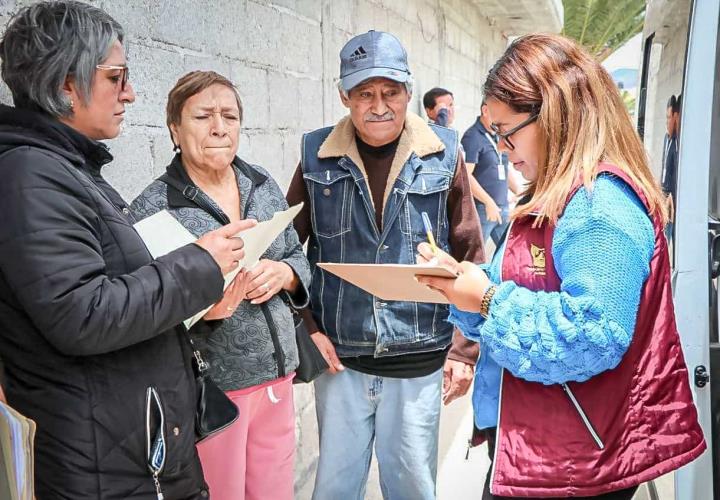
[699, 163]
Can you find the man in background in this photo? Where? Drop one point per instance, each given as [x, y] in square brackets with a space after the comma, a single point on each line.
[490, 176]
[668, 179]
[439, 106]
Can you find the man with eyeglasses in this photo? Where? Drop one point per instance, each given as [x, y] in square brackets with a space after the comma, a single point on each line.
[490, 176]
[366, 183]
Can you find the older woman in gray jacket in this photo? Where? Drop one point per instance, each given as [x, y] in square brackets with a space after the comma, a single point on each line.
[249, 336]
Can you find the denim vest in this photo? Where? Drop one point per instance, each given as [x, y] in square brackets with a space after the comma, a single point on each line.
[344, 230]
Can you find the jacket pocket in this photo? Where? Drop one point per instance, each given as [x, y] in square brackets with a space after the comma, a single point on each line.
[427, 193]
[583, 416]
[155, 441]
[331, 194]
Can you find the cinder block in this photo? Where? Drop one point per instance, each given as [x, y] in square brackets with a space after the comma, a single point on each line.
[300, 54]
[291, 158]
[283, 95]
[429, 17]
[311, 104]
[141, 19]
[342, 15]
[260, 34]
[132, 168]
[252, 83]
[264, 149]
[7, 8]
[161, 148]
[364, 17]
[155, 72]
[310, 9]
[203, 62]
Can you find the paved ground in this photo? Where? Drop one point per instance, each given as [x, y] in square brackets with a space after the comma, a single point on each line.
[458, 479]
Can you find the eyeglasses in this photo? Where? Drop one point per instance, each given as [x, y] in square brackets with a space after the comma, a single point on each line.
[123, 76]
[506, 136]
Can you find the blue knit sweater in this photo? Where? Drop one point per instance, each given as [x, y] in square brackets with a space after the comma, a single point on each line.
[602, 248]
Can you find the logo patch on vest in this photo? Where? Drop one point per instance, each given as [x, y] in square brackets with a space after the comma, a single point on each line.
[538, 260]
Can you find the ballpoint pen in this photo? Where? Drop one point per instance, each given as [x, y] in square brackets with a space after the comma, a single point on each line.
[429, 231]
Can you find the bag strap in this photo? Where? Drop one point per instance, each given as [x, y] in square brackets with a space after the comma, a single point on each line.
[192, 193]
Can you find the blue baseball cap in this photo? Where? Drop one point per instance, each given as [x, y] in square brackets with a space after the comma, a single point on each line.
[374, 54]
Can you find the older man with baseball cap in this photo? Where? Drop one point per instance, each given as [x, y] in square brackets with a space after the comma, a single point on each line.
[365, 183]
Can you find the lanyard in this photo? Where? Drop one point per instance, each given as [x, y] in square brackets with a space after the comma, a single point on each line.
[492, 141]
[500, 164]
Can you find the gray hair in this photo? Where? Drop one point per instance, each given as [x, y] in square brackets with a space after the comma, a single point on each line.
[49, 41]
[408, 86]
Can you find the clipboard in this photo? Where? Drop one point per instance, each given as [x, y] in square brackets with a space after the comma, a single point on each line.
[17, 436]
[391, 281]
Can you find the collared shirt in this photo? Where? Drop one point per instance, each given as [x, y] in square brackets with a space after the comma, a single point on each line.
[491, 167]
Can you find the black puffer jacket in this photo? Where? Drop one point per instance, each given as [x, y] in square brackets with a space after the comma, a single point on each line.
[87, 320]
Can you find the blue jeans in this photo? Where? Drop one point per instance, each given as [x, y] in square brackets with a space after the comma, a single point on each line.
[491, 229]
[401, 417]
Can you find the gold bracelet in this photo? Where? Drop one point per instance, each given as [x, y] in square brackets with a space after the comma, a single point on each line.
[485, 302]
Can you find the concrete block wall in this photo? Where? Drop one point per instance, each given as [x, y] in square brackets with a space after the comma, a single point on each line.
[283, 56]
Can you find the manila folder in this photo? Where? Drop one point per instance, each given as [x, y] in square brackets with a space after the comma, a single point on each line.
[391, 281]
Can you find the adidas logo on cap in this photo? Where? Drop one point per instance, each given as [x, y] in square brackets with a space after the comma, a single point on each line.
[358, 54]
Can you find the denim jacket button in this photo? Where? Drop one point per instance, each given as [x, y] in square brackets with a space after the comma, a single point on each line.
[326, 191]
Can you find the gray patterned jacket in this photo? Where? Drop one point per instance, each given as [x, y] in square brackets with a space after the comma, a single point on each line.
[240, 349]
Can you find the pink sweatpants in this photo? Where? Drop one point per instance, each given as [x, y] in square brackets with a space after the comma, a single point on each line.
[253, 459]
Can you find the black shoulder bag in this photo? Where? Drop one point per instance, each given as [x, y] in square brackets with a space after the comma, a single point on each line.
[214, 410]
[311, 362]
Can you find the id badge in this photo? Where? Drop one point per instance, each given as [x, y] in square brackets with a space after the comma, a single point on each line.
[501, 171]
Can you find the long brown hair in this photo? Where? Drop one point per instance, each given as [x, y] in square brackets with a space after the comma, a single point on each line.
[582, 120]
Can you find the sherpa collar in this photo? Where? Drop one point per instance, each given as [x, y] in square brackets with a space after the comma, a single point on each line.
[417, 137]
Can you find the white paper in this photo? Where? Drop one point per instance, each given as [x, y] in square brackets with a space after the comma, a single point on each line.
[162, 234]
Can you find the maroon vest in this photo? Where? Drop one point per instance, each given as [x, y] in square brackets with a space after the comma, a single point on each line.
[622, 427]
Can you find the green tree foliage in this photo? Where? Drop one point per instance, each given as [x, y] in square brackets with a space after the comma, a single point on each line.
[602, 26]
[629, 102]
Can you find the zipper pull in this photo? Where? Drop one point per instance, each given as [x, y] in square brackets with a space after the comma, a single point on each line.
[202, 365]
[160, 495]
[467, 452]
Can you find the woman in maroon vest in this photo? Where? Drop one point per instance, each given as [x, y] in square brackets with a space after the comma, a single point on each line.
[581, 388]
